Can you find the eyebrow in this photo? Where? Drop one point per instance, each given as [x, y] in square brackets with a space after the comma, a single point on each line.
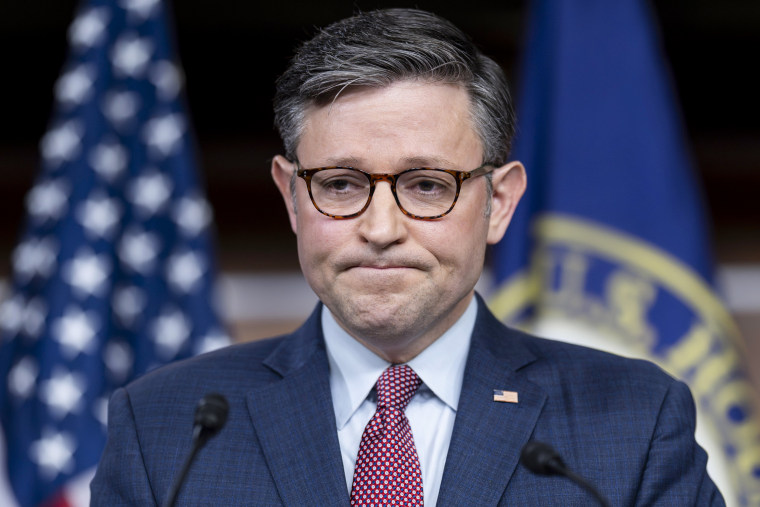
[343, 162]
[429, 162]
[406, 163]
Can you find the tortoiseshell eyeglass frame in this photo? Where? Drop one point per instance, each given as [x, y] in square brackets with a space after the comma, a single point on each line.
[459, 176]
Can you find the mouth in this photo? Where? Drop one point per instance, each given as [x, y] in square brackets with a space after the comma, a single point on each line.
[380, 265]
[384, 266]
[377, 270]
[383, 271]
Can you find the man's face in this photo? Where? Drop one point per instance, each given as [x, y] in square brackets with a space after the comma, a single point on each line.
[393, 282]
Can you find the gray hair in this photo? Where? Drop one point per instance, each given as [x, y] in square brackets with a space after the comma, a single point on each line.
[378, 48]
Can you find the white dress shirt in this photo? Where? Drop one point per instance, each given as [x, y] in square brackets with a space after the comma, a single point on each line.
[354, 370]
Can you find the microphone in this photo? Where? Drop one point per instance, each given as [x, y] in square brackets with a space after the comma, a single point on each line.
[542, 459]
[210, 417]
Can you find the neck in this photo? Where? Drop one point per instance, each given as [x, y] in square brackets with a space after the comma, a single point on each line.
[403, 347]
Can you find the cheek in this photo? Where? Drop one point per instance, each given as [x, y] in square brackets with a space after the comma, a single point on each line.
[308, 225]
[318, 237]
[458, 245]
[468, 240]
[308, 236]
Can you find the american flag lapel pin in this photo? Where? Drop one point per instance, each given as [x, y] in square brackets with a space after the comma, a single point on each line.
[505, 396]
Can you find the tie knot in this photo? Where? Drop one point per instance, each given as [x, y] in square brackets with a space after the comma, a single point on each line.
[396, 386]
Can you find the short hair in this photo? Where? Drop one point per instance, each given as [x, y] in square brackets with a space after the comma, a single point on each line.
[378, 48]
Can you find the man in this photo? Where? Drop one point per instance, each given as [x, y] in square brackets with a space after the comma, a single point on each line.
[402, 387]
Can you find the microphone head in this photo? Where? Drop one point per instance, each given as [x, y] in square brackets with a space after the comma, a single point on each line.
[541, 458]
[211, 412]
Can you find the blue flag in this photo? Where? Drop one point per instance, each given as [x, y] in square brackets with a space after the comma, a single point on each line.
[609, 246]
[113, 274]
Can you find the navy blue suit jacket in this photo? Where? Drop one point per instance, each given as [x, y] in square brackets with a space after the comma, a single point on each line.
[623, 424]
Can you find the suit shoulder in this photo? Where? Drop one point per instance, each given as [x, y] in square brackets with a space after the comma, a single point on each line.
[522, 349]
[590, 385]
[570, 361]
[238, 364]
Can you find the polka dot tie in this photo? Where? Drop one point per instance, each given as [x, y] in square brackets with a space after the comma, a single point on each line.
[387, 468]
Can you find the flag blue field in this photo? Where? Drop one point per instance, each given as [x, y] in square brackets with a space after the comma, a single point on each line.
[113, 272]
[609, 247]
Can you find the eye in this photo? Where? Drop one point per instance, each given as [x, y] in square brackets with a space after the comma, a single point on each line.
[340, 181]
[428, 182]
[336, 184]
[427, 185]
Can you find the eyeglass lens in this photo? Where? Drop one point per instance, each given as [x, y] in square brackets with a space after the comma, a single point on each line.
[421, 192]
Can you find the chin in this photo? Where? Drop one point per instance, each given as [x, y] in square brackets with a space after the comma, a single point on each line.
[378, 312]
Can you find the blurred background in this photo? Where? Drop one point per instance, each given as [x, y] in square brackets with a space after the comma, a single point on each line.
[233, 51]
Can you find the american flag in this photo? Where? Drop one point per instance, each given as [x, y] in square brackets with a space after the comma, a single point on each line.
[504, 396]
[113, 273]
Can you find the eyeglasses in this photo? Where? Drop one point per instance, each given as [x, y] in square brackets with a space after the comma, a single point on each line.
[422, 193]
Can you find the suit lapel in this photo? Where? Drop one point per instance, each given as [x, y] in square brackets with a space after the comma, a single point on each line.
[295, 422]
[488, 435]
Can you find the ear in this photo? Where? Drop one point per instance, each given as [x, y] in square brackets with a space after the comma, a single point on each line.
[509, 183]
[282, 173]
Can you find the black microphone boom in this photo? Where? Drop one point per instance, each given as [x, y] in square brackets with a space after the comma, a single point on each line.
[542, 459]
[210, 417]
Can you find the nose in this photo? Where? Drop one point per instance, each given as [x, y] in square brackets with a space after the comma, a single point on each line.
[382, 223]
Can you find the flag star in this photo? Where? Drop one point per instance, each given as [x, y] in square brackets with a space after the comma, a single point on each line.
[171, 331]
[142, 8]
[35, 313]
[63, 392]
[88, 28]
[109, 159]
[87, 273]
[12, 314]
[75, 331]
[48, 199]
[192, 215]
[167, 78]
[119, 360]
[74, 87]
[150, 192]
[35, 256]
[127, 303]
[184, 270]
[23, 378]
[212, 341]
[99, 215]
[163, 134]
[131, 55]
[138, 250]
[121, 107]
[100, 410]
[62, 143]
[53, 454]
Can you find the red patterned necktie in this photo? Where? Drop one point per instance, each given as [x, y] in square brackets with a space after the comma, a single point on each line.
[387, 468]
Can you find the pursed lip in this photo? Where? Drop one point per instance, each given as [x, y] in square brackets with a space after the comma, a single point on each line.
[384, 266]
[383, 270]
[380, 266]
[380, 263]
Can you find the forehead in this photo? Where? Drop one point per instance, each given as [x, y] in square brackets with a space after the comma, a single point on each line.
[407, 119]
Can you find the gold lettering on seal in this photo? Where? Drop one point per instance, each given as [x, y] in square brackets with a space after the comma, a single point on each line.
[629, 298]
[572, 280]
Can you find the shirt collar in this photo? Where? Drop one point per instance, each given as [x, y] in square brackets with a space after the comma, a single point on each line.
[354, 369]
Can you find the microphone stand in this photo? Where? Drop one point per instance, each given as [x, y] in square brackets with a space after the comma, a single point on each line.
[542, 459]
[210, 417]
